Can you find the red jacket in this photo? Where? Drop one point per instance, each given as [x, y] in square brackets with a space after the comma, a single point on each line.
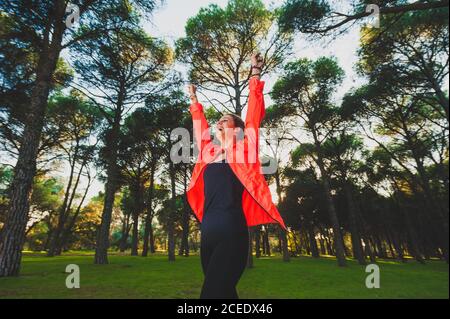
[256, 199]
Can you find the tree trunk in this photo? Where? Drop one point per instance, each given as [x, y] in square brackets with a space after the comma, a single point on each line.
[184, 247]
[101, 251]
[413, 242]
[138, 196]
[364, 235]
[307, 243]
[280, 243]
[338, 241]
[391, 248]
[152, 241]
[13, 231]
[398, 248]
[135, 234]
[298, 249]
[430, 200]
[413, 245]
[125, 232]
[250, 248]
[172, 213]
[258, 242]
[237, 95]
[282, 233]
[322, 246]
[312, 241]
[330, 249]
[69, 228]
[376, 248]
[147, 239]
[149, 215]
[266, 242]
[354, 230]
[284, 244]
[57, 242]
[55, 239]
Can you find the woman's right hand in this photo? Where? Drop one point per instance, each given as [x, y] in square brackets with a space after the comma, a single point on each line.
[193, 93]
[257, 62]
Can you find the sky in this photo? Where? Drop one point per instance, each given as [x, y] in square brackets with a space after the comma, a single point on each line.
[168, 22]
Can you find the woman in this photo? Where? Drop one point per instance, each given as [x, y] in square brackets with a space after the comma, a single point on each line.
[227, 191]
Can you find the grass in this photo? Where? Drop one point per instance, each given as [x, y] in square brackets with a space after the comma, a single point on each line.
[156, 277]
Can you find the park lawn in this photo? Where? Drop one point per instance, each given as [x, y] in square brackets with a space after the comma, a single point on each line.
[156, 277]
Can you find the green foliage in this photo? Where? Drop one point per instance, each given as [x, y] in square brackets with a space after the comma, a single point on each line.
[18, 67]
[220, 41]
[306, 88]
[326, 17]
[47, 194]
[409, 57]
[129, 59]
[71, 120]
[301, 152]
[6, 174]
[166, 214]
[84, 234]
[302, 206]
[303, 15]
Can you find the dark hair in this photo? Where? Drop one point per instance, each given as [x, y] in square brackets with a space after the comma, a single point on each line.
[238, 122]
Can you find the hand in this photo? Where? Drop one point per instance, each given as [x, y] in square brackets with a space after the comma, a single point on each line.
[257, 64]
[192, 93]
[192, 89]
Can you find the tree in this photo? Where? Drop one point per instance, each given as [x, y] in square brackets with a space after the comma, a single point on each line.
[17, 67]
[45, 200]
[169, 110]
[302, 204]
[304, 92]
[77, 120]
[342, 151]
[405, 93]
[159, 195]
[6, 174]
[410, 144]
[139, 153]
[123, 66]
[218, 43]
[397, 219]
[41, 26]
[323, 17]
[410, 57]
[276, 124]
[83, 233]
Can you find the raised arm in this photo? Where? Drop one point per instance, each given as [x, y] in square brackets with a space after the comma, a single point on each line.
[200, 124]
[256, 107]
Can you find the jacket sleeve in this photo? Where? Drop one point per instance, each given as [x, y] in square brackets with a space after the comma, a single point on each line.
[200, 126]
[255, 111]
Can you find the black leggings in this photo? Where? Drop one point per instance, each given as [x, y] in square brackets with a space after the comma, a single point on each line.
[224, 252]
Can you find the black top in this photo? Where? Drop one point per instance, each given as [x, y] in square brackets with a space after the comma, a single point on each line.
[223, 190]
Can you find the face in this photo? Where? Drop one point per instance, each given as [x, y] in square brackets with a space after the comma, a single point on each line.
[225, 127]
